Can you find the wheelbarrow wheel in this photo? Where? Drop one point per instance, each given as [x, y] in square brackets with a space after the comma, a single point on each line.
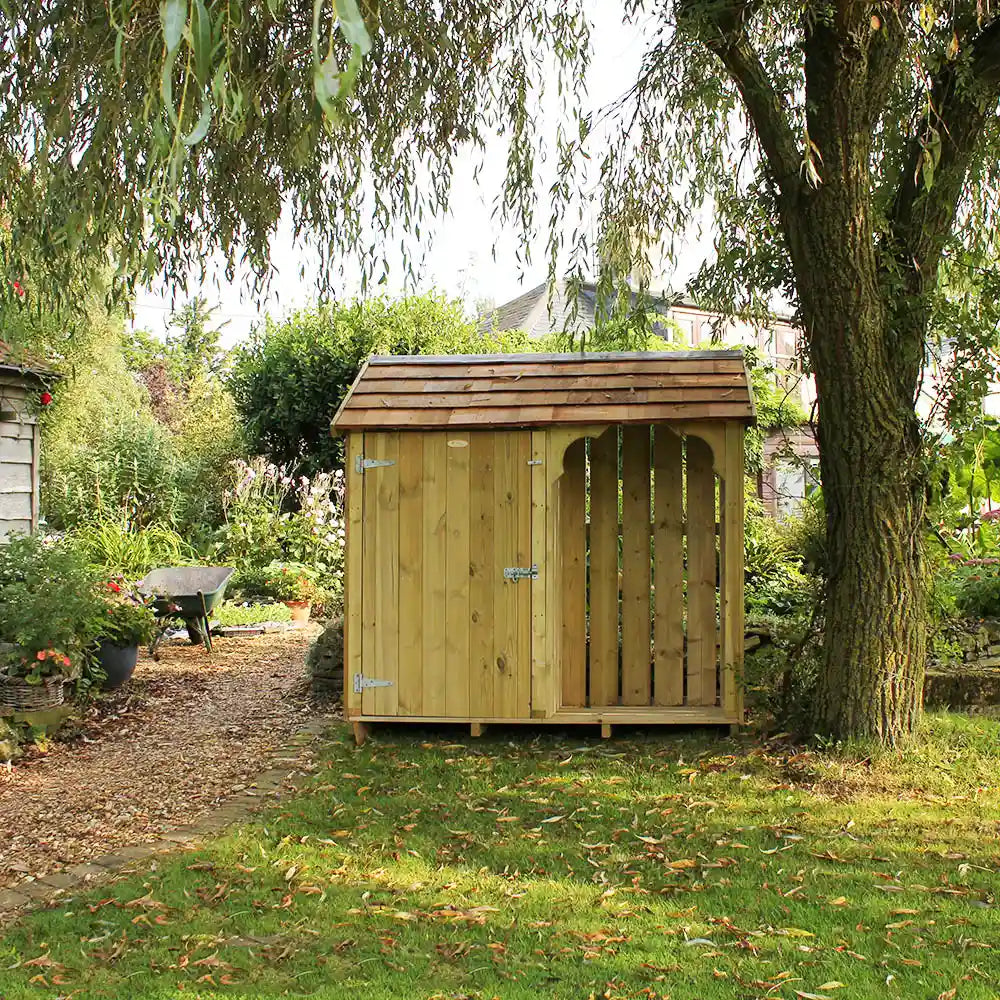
[196, 631]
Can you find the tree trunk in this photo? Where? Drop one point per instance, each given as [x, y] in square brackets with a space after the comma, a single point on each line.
[873, 488]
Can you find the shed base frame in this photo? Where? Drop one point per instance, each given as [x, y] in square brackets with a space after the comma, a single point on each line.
[606, 718]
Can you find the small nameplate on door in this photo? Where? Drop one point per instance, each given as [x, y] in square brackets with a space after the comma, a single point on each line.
[458, 443]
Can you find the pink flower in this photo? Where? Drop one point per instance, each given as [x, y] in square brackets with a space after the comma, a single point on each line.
[65, 660]
[41, 654]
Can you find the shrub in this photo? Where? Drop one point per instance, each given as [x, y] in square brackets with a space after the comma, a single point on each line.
[128, 619]
[231, 613]
[50, 607]
[291, 376]
[273, 519]
[132, 551]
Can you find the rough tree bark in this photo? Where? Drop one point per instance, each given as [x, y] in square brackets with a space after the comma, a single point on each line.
[862, 299]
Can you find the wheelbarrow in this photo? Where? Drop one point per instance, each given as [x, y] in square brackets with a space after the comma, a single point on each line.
[187, 592]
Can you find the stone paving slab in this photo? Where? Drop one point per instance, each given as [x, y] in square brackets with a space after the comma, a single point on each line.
[52, 888]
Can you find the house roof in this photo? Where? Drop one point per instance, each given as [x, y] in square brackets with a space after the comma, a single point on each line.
[21, 363]
[530, 310]
[537, 390]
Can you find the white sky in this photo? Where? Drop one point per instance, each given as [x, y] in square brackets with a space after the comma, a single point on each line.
[460, 259]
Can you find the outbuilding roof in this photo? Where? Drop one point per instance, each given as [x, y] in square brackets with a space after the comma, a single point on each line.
[537, 390]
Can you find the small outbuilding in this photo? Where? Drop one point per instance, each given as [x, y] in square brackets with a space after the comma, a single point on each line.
[546, 538]
[22, 381]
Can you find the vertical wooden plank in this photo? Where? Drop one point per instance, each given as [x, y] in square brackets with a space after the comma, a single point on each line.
[636, 671]
[433, 586]
[36, 458]
[505, 600]
[668, 569]
[353, 594]
[482, 570]
[369, 572]
[732, 581]
[544, 676]
[604, 569]
[572, 570]
[386, 480]
[411, 611]
[701, 621]
[522, 509]
[457, 574]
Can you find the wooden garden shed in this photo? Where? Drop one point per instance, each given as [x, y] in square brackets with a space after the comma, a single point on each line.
[545, 538]
[21, 382]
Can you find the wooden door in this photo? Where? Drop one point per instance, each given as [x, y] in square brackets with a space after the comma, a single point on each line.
[444, 634]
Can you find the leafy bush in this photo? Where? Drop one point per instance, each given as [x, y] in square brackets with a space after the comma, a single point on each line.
[291, 377]
[231, 613]
[132, 551]
[128, 618]
[50, 607]
[970, 586]
[274, 519]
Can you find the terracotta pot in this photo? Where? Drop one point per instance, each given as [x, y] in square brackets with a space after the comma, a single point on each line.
[300, 610]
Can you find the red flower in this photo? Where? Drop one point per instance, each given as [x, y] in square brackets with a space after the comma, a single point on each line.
[41, 654]
[18, 289]
[114, 586]
[45, 398]
[65, 661]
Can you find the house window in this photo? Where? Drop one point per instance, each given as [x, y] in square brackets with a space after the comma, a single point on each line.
[794, 480]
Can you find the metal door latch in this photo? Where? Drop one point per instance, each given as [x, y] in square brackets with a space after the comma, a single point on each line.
[361, 682]
[516, 573]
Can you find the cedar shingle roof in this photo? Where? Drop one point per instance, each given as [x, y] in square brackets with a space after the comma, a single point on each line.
[536, 390]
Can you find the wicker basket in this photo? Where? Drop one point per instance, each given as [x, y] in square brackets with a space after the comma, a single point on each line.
[18, 693]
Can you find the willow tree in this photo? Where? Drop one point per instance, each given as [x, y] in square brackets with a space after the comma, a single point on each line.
[846, 150]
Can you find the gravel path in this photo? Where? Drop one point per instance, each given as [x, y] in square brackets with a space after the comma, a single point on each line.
[184, 734]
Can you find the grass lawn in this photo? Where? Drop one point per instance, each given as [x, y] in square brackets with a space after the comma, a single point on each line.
[528, 865]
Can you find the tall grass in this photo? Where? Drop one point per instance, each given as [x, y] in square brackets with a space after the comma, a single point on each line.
[133, 551]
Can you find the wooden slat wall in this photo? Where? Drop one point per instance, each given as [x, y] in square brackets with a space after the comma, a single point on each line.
[701, 576]
[386, 490]
[482, 575]
[732, 580]
[604, 569]
[457, 618]
[411, 547]
[635, 566]
[545, 681]
[434, 584]
[573, 573]
[353, 598]
[522, 494]
[668, 569]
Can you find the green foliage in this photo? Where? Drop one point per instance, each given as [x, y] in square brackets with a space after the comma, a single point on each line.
[194, 140]
[131, 550]
[291, 377]
[970, 587]
[49, 607]
[274, 519]
[290, 582]
[128, 619]
[231, 613]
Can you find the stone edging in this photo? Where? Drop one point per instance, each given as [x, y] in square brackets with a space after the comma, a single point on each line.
[33, 893]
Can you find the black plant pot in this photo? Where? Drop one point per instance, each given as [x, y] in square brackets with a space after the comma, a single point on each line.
[117, 662]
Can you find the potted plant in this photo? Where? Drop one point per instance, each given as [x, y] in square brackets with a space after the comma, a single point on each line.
[49, 617]
[295, 586]
[128, 623]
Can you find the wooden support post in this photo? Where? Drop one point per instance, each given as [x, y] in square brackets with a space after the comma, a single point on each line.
[605, 730]
[476, 729]
[361, 730]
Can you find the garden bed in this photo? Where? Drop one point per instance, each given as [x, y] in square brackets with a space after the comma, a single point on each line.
[185, 734]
